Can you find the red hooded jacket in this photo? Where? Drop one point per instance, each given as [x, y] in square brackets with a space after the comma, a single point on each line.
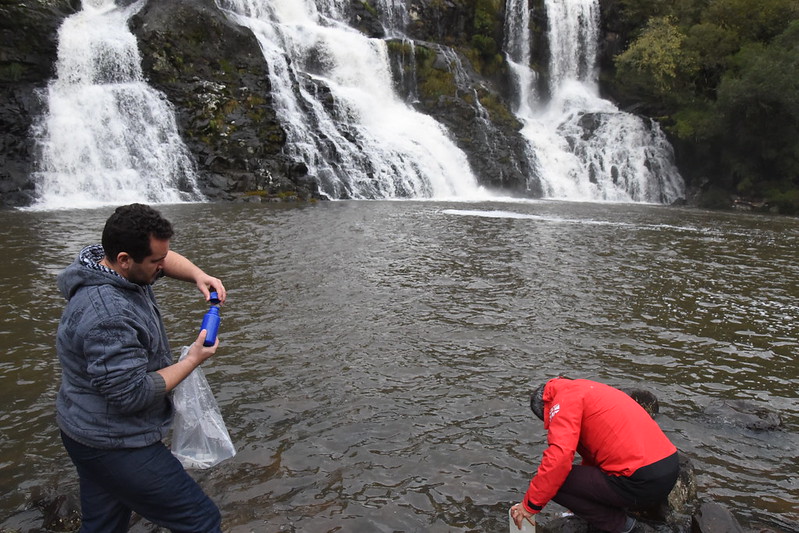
[604, 425]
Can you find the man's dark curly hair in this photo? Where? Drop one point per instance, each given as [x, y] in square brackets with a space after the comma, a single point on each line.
[129, 230]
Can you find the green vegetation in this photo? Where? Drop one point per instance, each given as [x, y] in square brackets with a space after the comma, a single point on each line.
[496, 108]
[486, 32]
[723, 77]
[433, 81]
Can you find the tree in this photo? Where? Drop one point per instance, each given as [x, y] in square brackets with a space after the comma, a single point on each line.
[759, 20]
[758, 103]
[712, 47]
[656, 63]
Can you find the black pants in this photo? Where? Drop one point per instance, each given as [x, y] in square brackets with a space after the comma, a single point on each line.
[602, 502]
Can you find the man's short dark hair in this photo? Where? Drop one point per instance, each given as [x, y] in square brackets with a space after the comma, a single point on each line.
[129, 230]
[537, 401]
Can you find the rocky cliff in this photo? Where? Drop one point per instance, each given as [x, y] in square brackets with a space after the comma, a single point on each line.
[28, 48]
[212, 72]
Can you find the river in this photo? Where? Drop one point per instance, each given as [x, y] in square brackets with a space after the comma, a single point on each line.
[377, 357]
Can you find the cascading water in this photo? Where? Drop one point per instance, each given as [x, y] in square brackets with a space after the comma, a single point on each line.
[334, 95]
[108, 137]
[584, 147]
[395, 16]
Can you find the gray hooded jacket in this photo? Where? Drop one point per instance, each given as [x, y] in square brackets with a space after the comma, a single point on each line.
[110, 342]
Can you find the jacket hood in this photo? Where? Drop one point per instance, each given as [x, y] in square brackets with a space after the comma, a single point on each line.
[87, 271]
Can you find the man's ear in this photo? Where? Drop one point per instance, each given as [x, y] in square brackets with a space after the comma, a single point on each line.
[124, 262]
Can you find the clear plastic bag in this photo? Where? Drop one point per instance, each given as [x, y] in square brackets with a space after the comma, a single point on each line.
[199, 436]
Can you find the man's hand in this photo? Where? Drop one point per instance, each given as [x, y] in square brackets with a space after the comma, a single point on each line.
[208, 283]
[175, 373]
[519, 514]
[199, 353]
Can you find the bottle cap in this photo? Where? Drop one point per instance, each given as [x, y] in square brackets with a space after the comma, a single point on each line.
[214, 298]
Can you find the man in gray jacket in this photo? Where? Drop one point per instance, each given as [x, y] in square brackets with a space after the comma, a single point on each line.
[114, 405]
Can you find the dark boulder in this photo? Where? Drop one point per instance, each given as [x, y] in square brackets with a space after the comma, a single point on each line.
[61, 513]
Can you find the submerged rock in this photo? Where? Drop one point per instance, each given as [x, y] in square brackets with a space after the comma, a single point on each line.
[745, 414]
[61, 513]
[50, 510]
[713, 518]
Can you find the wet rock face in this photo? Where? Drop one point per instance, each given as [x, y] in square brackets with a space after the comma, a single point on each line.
[28, 51]
[437, 20]
[29, 38]
[213, 72]
[442, 83]
[18, 109]
[744, 414]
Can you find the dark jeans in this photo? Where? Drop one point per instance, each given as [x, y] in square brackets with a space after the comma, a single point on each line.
[588, 494]
[149, 481]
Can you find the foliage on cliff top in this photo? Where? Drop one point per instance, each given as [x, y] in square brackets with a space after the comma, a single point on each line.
[724, 78]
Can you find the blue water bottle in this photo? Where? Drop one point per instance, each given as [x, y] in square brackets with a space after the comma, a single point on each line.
[211, 320]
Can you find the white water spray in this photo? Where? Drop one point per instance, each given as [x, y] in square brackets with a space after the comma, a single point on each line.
[108, 137]
[359, 139]
[585, 148]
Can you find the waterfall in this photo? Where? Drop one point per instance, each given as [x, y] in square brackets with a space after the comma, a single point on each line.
[573, 40]
[408, 80]
[585, 148]
[108, 137]
[394, 15]
[334, 95]
[518, 48]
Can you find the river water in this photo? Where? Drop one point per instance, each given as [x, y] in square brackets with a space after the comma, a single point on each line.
[377, 357]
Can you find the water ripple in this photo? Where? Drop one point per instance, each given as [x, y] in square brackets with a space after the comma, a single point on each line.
[376, 357]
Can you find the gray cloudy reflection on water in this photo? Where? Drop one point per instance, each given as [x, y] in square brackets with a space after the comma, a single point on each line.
[376, 356]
